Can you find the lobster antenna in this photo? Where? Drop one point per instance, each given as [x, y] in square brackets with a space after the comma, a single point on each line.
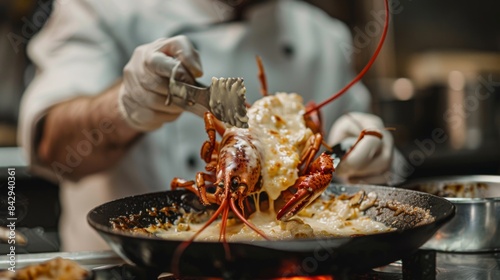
[245, 221]
[222, 234]
[365, 69]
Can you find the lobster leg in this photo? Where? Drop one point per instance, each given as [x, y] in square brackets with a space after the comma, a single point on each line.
[210, 146]
[199, 187]
[178, 183]
[313, 118]
[309, 151]
[309, 187]
[206, 198]
[362, 135]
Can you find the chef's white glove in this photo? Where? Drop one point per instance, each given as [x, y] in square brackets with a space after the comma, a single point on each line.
[144, 90]
[371, 156]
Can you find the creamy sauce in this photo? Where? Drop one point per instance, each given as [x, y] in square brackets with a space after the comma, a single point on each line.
[324, 222]
[278, 124]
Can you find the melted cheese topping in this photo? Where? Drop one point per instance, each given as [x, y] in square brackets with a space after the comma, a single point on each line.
[277, 122]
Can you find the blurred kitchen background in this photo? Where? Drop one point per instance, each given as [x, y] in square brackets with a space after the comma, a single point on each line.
[436, 82]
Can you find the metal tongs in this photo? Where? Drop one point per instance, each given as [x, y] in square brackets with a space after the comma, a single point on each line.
[225, 98]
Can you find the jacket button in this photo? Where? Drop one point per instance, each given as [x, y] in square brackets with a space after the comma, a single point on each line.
[192, 161]
[288, 50]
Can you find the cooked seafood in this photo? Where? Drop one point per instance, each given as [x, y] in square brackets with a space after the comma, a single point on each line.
[273, 154]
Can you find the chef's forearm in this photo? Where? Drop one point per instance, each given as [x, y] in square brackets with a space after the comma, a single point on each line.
[85, 135]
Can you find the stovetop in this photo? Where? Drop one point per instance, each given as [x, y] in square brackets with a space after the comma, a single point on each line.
[424, 264]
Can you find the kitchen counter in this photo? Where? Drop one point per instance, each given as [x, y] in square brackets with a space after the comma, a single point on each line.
[448, 266]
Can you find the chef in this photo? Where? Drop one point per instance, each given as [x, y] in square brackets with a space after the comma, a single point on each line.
[94, 117]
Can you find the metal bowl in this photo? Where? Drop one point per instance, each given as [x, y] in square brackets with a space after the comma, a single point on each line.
[476, 225]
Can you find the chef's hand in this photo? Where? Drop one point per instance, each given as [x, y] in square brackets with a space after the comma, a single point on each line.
[371, 156]
[144, 89]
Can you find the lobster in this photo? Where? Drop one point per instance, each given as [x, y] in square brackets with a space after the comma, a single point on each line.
[234, 165]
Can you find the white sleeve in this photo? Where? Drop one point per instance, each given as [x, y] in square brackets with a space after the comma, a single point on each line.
[74, 55]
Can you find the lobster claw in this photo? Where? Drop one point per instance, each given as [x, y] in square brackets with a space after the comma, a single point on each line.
[302, 198]
[309, 187]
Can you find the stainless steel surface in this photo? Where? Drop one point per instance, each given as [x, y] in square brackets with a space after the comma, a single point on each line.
[229, 105]
[88, 260]
[11, 157]
[468, 266]
[454, 266]
[476, 225]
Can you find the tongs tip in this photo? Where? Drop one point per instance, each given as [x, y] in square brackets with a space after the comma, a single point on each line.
[225, 98]
[228, 101]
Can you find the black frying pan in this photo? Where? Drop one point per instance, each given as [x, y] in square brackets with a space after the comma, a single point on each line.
[271, 259]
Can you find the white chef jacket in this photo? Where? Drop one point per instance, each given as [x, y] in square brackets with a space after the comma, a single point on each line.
[86, 43]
